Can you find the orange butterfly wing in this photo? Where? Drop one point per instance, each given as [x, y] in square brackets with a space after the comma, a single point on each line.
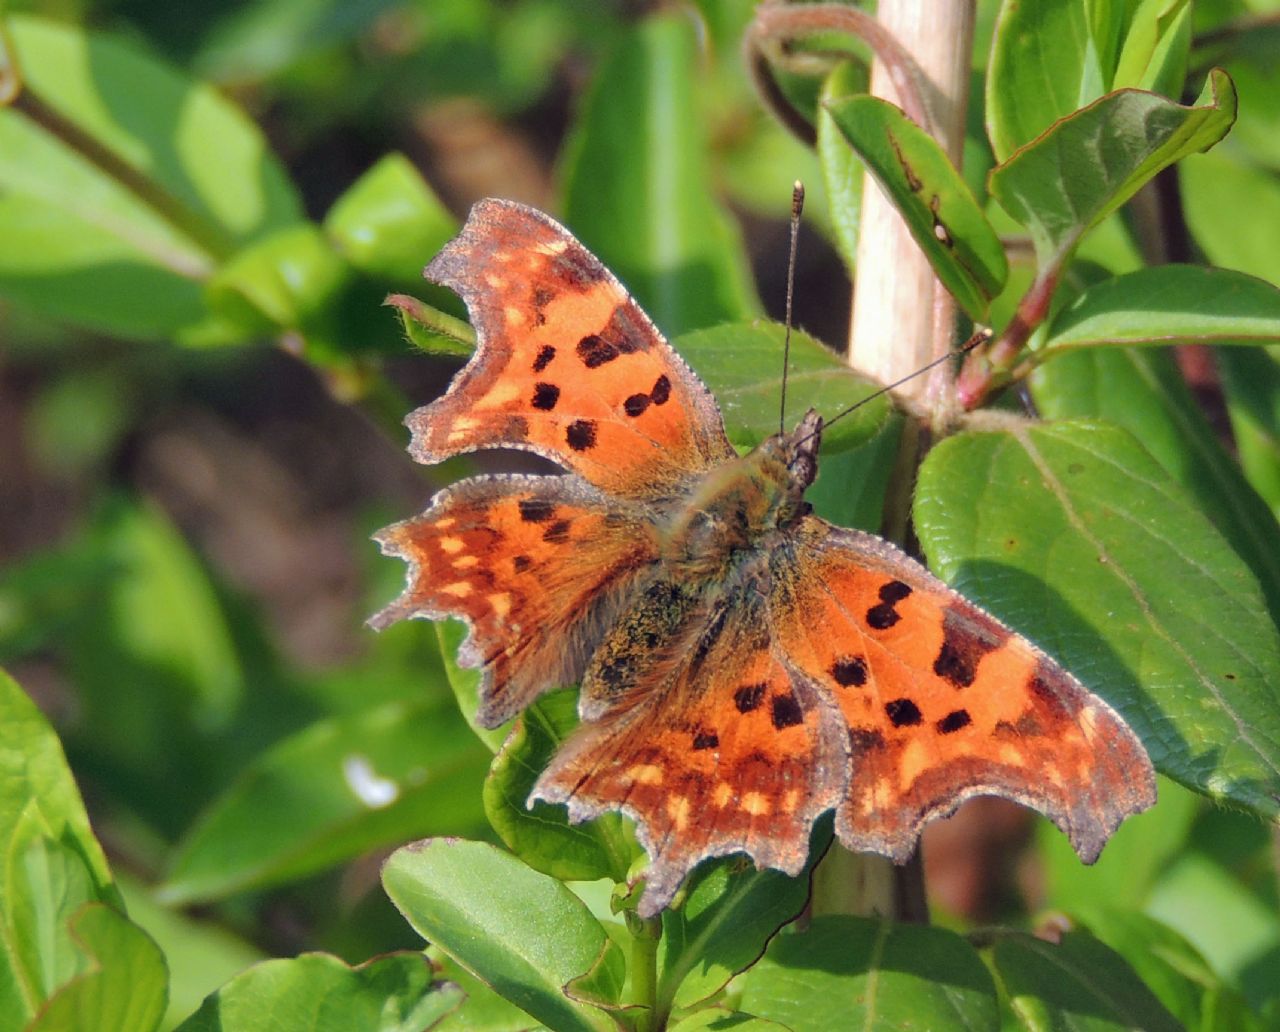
[942, 701]
[536, 565]
[723, 751]
[566, 364]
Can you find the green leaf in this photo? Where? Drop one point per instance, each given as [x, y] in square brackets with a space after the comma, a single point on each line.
[717, 1019]
[1236, 931]
[842, 169]
[330, 792]
[1072, 177]
[931, 196]
[1077, 983]
[1156, 47]
[522, 933]
[742, 365]
[637, 182]
[123, 987]
[1170, 304]
[465, 682]
[1172, 969]
[730, 913]
[483, 1010]
[1074, 535]
[40, 798]
[1251, 382]
[285, 281]
[317, 992]
[1144, 392]
[541, 835]
[123, 183]
[388, 223]
[847, 972]
[430, 330]
[1048, 58]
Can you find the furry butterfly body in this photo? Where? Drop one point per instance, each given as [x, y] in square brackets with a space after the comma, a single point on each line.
[744, 665]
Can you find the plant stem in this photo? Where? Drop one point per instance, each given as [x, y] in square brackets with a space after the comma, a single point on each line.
[646, 933]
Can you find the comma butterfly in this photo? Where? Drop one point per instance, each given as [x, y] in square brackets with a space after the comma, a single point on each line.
[745, 666]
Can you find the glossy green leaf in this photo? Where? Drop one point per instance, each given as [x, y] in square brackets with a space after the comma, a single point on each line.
[541, 835]
[317, 992]
[1144, 392]
[1077, 173]
[388, 223]
[637, 182]
[730, 913]
[1077, 983]
[1172, 969]
[1251, 382]
[1048, 58]
[123, 986]
[522, 933]
[931, 196]
[1074, 535]
[1231, 208]
[124, 184]
[742, 365]
[842, 169]
[483, 1010]
[1170, 304]
[330, 792]
[846, 972]
[1156, 47]
[716, 1019]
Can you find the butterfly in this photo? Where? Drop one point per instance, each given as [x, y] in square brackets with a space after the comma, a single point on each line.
[744, 665]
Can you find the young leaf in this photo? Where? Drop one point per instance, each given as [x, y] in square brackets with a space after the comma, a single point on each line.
[330, 792]
[388, 223]
[1089, 163]
[841, 167]
[637, 182]
[123, 183]
[852, 972]
[1073, 534]
[1170, 304]
[930, 195]
[319, 993]
[522, 933]
[1078, 983]
[542, 836]
[123, 986]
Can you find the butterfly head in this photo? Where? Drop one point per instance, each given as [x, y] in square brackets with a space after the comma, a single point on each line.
[790, 460]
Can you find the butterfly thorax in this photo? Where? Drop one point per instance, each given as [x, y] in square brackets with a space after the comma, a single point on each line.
[736, 506]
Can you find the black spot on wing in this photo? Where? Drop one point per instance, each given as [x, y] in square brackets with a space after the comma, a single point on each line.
[749, 697]
[580, 435]
[706, 740]
[902, 712]
[543, 359]
[785, 711]
[954, 721]
[536, 510]
[849, 671]
[545, 396]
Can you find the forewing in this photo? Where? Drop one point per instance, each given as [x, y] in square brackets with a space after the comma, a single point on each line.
[942, 701]
[538, 566]
[728, 753]
[566, 363]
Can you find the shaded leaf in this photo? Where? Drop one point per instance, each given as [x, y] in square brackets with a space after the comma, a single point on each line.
[541, 835]
[522, 933]
[855, 972]
[1231, 208]
[465, 682]
[1077, 983]
[317, 992]
[1085, 166]
[931, 196]
[637, 182]
[330, 792]
[1251, 382]
[1075, 536]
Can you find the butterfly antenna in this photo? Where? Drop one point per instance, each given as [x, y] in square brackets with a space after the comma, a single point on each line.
[980, 337]
[797, 206]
